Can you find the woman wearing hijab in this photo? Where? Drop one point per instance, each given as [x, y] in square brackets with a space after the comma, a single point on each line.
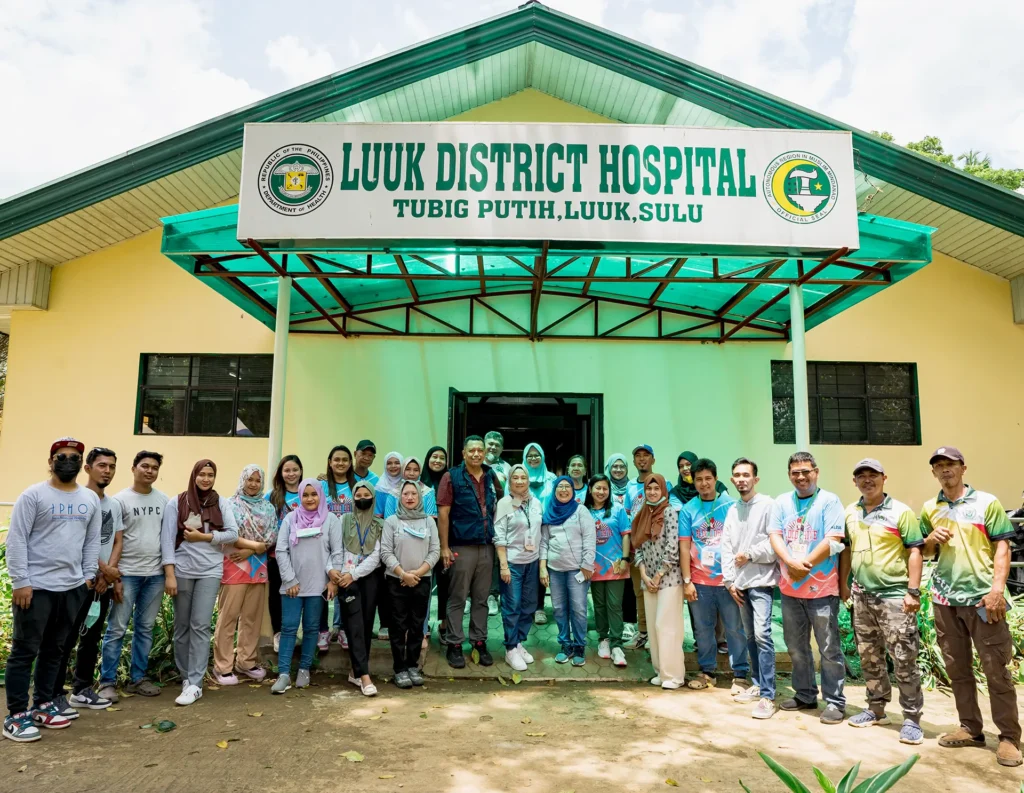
[390, 482]
[196, 527]
[357, 581]
[685, 491]
[541, 482]
[409, 549]
[654, 535]
[617, 471]
[411, 470]
[435, 469]
[284, 495]
[308, 551]
[517, 522]
[577, 470]
[243, 584]
[567, 548]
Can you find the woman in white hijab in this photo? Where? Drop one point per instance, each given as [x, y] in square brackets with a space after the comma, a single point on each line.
[390, 482]
[517, 523]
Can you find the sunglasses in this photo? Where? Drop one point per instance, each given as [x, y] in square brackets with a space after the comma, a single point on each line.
[63, 457]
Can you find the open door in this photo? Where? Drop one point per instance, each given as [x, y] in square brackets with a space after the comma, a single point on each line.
[458, 410]
[595, 432]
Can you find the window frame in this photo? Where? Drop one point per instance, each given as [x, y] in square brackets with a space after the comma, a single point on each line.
[190, 390]
[914, 396]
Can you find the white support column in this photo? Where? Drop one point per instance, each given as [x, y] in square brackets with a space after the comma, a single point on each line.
[796, 332]
[276, 440]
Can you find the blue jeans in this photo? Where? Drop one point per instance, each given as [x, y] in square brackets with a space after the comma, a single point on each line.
[757, 625]
[799, 617]
[140, 604]
[519, 601]
[569, 602]
[306, 610]
[711, 602]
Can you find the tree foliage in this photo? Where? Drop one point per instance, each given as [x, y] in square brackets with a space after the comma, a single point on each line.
[975, 163]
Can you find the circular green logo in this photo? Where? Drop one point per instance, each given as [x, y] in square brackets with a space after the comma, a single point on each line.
[296, 179]
[800, 187]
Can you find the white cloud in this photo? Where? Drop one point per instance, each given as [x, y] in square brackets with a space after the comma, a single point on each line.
[84, 80]
[292, 58]
[592, 11]
[660, 28]
[942, 71]
[420, 29]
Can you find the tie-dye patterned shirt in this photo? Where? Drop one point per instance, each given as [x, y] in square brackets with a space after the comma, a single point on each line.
[879, 542]
[804, 523]
[702, 523]
[964, 570]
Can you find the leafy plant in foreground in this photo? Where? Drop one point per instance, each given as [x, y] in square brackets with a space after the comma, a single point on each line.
[881, 781]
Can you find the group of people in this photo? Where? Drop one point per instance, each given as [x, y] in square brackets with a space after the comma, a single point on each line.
[487, 532]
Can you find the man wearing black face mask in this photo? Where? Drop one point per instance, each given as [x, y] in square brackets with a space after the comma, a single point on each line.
[52, 551]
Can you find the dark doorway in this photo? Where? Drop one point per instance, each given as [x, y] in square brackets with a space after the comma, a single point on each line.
[563, 424]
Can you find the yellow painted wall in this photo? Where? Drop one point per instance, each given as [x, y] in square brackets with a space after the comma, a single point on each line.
[74, 369]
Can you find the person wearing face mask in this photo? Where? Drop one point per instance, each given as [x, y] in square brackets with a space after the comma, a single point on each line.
[52, 558]
[358, 583]
[244, 582]
[100, 465]
[197, 526]
[409, 549]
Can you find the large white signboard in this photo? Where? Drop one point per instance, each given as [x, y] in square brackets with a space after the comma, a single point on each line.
[619, 183]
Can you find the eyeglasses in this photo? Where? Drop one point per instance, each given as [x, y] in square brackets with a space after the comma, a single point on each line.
[64, 457]
[805, 472]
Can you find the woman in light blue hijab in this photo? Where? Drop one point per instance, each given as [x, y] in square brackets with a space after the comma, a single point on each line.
[541, 483]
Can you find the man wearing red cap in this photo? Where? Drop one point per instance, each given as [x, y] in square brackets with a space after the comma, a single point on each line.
[52, 551]
[970, 535]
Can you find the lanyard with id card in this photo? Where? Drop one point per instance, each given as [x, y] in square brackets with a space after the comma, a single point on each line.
[798, 547]
[708, 555]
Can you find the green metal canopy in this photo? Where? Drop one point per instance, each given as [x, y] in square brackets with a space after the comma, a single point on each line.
[537, 291]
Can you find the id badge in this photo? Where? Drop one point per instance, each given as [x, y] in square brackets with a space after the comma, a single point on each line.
[350, 565]
[707, 557]
[798, 550]
[529, 546]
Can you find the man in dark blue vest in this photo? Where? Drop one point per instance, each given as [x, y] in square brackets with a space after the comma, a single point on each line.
[466, 497]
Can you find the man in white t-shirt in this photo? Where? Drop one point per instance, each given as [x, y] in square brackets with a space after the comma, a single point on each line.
[142, 579]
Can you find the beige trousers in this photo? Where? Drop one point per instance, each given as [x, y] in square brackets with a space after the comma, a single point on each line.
[638, 591]
[665, 632]
[241, 607]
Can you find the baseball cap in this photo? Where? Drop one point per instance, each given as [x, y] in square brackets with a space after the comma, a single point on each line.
[644, 447]
[949, 452]
[870, 463]
[363, 445]
[67, 441]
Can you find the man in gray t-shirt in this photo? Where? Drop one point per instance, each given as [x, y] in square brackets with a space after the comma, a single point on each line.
[52, 549]
[142, 579]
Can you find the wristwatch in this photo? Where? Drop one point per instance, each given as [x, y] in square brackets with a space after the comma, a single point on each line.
[914, 592]
[687, 580]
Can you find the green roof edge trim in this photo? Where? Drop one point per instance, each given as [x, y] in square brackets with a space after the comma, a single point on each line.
[532, 22]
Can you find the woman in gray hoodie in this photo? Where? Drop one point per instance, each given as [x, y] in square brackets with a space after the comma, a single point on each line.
[196, 527]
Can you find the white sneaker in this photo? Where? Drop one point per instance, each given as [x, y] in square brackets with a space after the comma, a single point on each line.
[618, 657]
[323, 641]
[745, 697]
[492, 606]
[764, 709]
[515, 660]
[302, 679]
[656, 681]
[604, 649]
[188, 695]
[524, 654]
[671, 685]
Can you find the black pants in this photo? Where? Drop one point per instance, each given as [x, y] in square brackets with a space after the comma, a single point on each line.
[628, 603]
[88, 648]
[274, 603]
[350, 602]
[408, 610]
[443, 579]
[40, 633]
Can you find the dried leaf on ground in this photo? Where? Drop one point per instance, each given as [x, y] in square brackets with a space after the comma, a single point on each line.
[165, 726]
[423, 715]
[671, 783]
[383, 710]
[527, 720]
[475, 655]
[126, 695]
[222, 744]
[517, 678]
[352, 756]
[487, 718]
[535, 734]
[386, 776]
[255, 685]
[257, 714]
[502, 680]
[378, 717]
[23, 769]
[437, 707]
[112, 709]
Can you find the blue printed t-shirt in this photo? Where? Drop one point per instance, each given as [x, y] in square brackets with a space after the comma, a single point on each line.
[580, 495]
[291, 501]
[370, 477]
[610, 531]
[343, 503]
[429, 505]
[803, 524]
[634, 497]
[702, 523]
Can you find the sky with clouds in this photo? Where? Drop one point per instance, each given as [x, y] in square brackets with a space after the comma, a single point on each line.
[83, 80]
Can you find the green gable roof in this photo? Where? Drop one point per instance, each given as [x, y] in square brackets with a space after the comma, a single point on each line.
[531, 47]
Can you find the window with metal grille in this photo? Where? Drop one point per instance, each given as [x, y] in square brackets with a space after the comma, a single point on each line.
[850, 403]
[183, 394]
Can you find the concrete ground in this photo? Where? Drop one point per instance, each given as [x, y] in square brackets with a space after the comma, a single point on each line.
[477, 736]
